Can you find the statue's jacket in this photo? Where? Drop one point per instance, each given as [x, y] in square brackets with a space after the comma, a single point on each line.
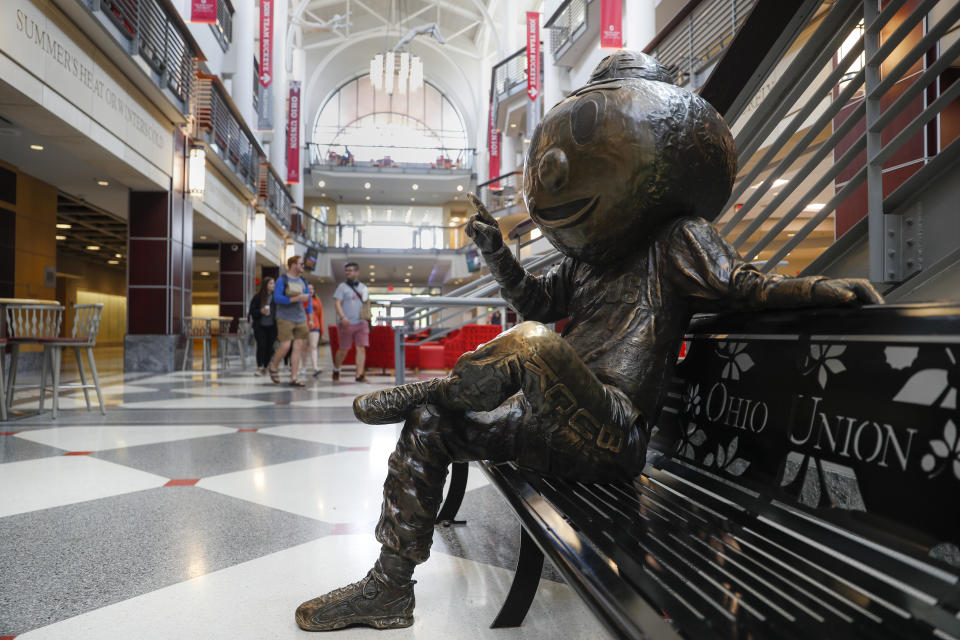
[627, 318]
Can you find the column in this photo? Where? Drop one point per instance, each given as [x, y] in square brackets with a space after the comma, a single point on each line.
[160, 271]
[232, 280]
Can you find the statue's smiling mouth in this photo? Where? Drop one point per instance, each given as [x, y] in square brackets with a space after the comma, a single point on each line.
[568, 213]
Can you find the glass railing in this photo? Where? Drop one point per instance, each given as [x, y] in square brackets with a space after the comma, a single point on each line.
[376, 236]
[155, 31]
[502, 192]
[386, 158]
[566, 25]
[509, 73]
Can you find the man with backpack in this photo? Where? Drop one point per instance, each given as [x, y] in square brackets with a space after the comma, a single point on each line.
[349, 300]
[290, 293]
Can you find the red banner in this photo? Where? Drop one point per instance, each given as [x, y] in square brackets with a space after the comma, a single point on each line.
[266, 42]
[611, 21]
[493, 144]
[533, 54]
[293, 134]
[203, 11]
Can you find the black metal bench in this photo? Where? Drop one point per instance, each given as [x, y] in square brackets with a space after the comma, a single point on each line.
[803, 481]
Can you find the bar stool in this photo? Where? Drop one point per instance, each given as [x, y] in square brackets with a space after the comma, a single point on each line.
[3, 378]
[197, 329]
[86, 326]
[29, 324]
[227, 338]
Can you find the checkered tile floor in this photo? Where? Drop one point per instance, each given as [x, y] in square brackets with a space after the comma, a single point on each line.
[210, 506]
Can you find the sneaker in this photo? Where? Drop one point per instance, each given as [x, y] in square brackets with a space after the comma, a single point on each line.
[360, 378]
[317, 372]
[336, 375]
[394, 404]
[372, 601]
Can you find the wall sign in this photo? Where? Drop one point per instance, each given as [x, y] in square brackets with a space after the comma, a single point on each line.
[293, 134]
[266, 42]
[203, 11]
[611, 22]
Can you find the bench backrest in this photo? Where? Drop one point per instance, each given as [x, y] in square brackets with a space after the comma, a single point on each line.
[853, 409]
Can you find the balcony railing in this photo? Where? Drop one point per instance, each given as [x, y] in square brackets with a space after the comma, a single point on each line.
[155, 31]
[566, 25]
[274, 196]
[509, 73]
[390, 158]
[502, 192]
[223, 29]
[697, 36]
[218, 123]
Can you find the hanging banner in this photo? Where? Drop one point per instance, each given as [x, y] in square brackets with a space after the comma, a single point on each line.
[533, 54]
[611, 19]
[203, 11]
[293, 134]
[493, 144]
[266, 42]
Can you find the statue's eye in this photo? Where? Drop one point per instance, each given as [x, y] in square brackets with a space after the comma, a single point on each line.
[586, 116]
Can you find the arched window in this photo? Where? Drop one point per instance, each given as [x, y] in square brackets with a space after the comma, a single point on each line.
[366, 125]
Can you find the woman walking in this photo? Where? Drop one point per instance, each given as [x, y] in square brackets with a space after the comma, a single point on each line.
[263, 314]
[315, 324]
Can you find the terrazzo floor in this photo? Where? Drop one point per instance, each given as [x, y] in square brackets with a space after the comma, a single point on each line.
[210, 505]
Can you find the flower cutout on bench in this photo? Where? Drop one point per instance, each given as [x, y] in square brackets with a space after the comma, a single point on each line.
[944, 452]
[726, 460]
[691, 401]
[824, 359]
[933, 387]
[737, 360]
[692, 438]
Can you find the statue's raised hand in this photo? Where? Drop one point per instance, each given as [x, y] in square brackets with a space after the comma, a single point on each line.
[483, 228]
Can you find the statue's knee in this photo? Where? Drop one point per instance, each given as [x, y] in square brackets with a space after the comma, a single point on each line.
[538, 337]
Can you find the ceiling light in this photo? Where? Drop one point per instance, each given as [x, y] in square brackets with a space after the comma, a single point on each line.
[813, 206]
[407, 273]
[372, 267]
[413, 199]
[415, 186]
[204, 273]
[459, 187]
[37, 147]
[64, 225]
[513, 125]
[203, 237]
[102, 183]
[452, 223]
[118, 255]
[323, 195]
[322, 184]
[61, 237]
[373, 279]
[366, 185]
[455, 219]
[406, 279]
[113, 262]
[368, 197]
[409, 266]
[197, 171]
[93, 247]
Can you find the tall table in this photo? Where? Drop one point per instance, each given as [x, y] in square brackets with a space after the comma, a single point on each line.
[202, 329]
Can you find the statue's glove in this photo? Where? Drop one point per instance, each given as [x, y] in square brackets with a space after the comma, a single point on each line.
[845, 291]
[483, 228]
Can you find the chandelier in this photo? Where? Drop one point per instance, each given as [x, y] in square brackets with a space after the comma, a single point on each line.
[394, 70]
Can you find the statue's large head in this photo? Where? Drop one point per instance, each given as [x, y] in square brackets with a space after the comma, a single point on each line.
[620, 156]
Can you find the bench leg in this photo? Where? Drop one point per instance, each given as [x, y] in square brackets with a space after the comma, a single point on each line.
[458, 486]
[524, 587]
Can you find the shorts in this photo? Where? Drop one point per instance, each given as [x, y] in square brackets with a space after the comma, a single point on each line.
[358, 334]
[287, 330]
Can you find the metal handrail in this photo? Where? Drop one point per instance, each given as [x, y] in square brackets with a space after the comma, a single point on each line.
[274, 196]
[218, 122]
[501, 192]
[566, 25]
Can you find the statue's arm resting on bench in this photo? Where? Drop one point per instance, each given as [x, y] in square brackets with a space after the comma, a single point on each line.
[711, 271]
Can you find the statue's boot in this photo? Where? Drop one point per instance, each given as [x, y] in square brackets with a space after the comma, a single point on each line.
[394, 404]
[378, 600]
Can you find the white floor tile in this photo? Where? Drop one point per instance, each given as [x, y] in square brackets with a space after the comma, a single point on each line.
[456, 598]
[344, 434]
[306, 487]
[198, 403]
[340, 401]
[99, 438]
[30, 485]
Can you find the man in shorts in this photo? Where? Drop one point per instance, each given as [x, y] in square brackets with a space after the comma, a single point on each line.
[290, 293]
[354, 329]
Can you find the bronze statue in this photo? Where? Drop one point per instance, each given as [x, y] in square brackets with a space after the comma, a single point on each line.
[618, 177]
